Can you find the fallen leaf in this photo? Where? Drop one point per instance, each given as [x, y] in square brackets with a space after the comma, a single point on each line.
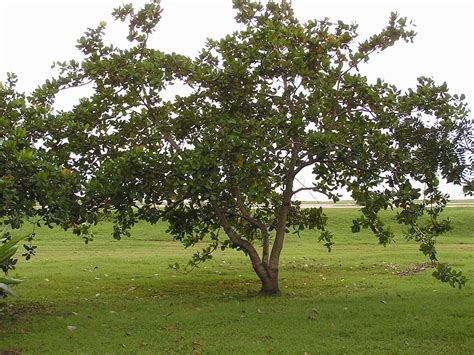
[384, 302]
[74, 313]
[71, 327]
[133, 288]
[259, 310]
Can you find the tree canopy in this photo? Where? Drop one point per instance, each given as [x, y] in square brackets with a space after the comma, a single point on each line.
[32, 185]
[219, 161]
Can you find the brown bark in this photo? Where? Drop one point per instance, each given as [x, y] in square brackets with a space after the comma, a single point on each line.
[268, 275]
[246, 215]
[270, 283]
[266, 268]
[284, 210]
[242, 243]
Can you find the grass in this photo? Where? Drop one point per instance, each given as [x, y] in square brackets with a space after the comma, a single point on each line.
[121, 297]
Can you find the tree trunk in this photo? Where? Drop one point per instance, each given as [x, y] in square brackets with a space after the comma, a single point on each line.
[266, 270]
[270, 283]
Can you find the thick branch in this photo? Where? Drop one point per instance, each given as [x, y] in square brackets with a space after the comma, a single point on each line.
[284, 208]
[257, 224]
[242, 243]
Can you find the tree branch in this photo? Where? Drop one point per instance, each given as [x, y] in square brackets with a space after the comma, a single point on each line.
[309, 162]
[242, 243]
[246, 215]
[284, 208]
[305, 189]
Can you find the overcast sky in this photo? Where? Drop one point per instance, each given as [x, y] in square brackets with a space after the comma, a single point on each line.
[34, 33]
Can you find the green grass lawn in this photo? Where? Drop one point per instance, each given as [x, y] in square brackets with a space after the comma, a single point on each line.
[121, 296]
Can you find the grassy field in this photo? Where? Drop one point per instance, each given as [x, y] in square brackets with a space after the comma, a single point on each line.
[121, 297]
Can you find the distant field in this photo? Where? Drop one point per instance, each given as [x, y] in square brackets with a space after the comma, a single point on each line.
[352, 203]
[121, 296]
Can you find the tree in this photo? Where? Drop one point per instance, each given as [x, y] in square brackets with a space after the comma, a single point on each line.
[220, 162]
[33, 188]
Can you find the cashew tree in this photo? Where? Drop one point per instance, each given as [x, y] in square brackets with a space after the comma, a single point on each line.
[220, 161]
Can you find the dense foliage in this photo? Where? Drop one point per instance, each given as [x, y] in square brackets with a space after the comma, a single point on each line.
[261, 107]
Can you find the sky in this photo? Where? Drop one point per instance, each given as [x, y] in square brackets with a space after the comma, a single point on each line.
[35, 33]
